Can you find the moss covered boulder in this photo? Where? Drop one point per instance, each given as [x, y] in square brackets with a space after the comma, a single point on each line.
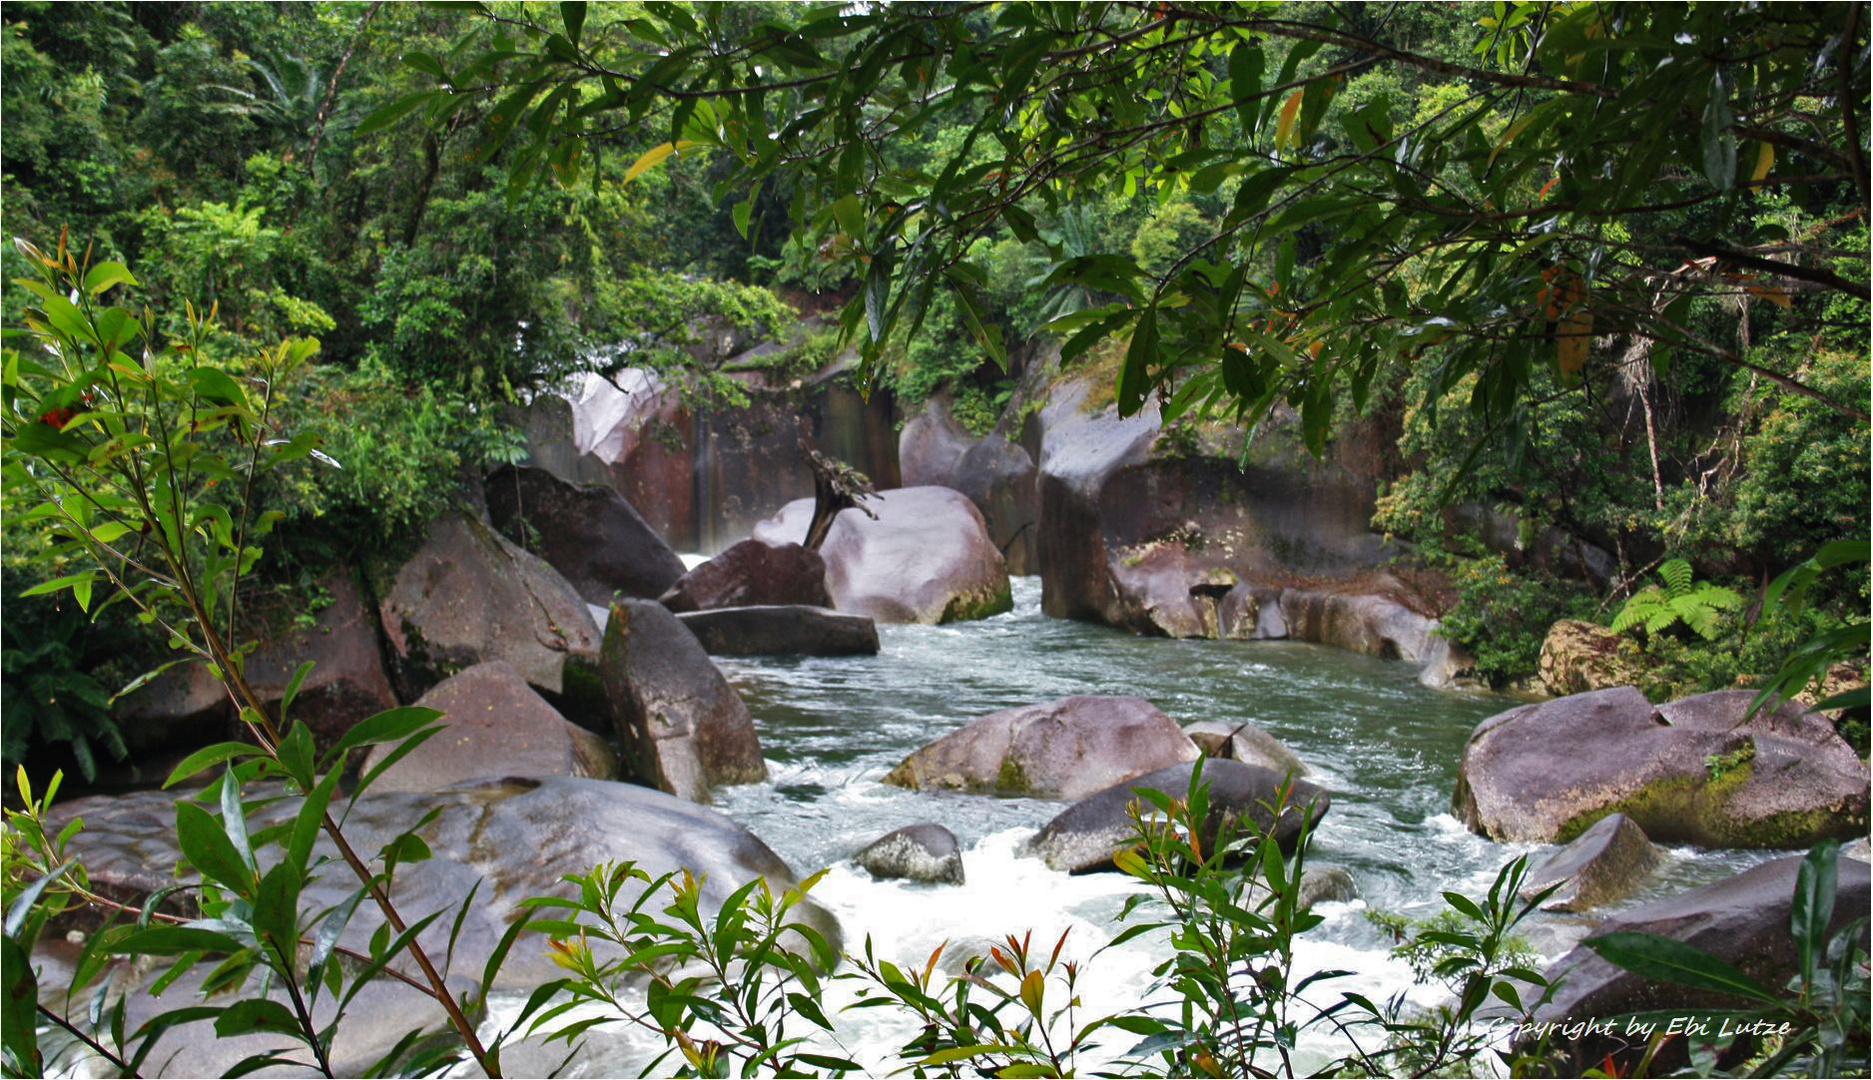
[1578, 656]
[1692, 771]
[1064, 749]
[926, 558]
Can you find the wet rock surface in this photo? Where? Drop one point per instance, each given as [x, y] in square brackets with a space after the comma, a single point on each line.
[1605, 863]
[1691, 771]
[588, 532]
[926, 852]
[1244, 742]
[781, 630]
[752, 573]
[1064, 749]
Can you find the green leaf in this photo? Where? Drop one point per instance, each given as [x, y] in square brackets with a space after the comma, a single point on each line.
[209, 850]
[310, 819]
[741, 213]
[387, 726]
[106, 274]
[1813, 905]
[208, 757]
[174, 940]
[383, 117]
[257, 1014]
[1135, 372]
[19, 1020]
[649, 160]
[23, 903]
[1653, 957]
[572, 14]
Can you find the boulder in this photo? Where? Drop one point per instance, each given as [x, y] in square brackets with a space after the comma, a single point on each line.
[1578, 656]
[1243, 742]
[1691, 772]
[752, 573]
[683, 729]
[496, 726]
[1087, 834]
[468, 596]
[1604, 864]
[1149, 530]
[1319, 885]
[926, 852]
[184, 706]
[588, 532]
[927, 558]
[782, 630]
[1743, 920]
[347, 682]
[931, 445]
[517, 836]
[1065, 749]
[1374, 625]
[995, 473]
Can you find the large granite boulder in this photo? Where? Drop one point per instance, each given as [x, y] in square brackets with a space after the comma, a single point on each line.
[752, 573]
[496, 726]
[588, 532]
[517, 836]
[1602, 865]
[1692, 771]
[1065, 749]
[995, 472]
[682, 727]
[468, 596]
[781, 630]
[183, 706]
[1743, 920]
[1149, 530]
[927, 558]
[1578, 656]
[1087, 834]
[347, 682]
[1244, 742]
[927, 853]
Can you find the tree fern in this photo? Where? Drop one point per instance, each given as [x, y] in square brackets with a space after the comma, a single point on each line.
[1697, 604]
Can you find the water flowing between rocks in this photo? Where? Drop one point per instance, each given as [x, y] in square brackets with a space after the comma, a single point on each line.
[1386, 747]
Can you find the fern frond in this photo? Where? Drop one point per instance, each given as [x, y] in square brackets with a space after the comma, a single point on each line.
[1717, 596]
[1677, 575]
[1661, 619]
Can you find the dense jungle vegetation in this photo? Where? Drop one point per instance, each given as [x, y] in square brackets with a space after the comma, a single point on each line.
[1597, 272]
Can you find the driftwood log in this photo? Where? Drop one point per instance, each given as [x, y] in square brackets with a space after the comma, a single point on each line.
[836, 486]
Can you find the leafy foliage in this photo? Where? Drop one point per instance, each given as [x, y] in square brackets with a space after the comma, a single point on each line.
[1697, 604]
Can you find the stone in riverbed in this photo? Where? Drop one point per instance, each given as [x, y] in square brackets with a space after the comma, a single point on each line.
[516, 836]
[925, 852]
[1743, 920]
[1608, 861]
[781, 630]
[1063, 749]
[752, 573]
[495, 726]
[588, 532]
[1087, 834]
[1244, 742]
[682, 727]
[1691, 771]
[927, 558]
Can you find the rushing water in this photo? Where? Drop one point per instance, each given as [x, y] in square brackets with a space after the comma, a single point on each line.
[1386, 747]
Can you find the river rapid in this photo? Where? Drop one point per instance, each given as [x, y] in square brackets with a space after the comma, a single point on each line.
[1383, 745]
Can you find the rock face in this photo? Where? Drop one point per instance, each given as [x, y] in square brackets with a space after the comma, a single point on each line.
[1688, 772]
[347, 682]
[925, 852]
[1090, 832]
[682, 727]
[1608, 861]
[497, 726]
[1578, 656]
[926, 559]
[517, 836]
[1743, 920]
[781, 630]
[184, 706]
[470, 596]
[1065, 749]
[1244, 742]
[996, 474]
[588, 532]
[753, 573]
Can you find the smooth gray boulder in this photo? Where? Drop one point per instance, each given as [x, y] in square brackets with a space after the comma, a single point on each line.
[469, 595]
[1064, 749]
[517, 836]
[1605, 863]
[752, 573]
[927, 558]
[588, 532]
[495, 725]
[925, 852]
[682, 727]
[1244, 742]
[1743, 920]
[781, 630]
[1087, 834]
[1692, 771]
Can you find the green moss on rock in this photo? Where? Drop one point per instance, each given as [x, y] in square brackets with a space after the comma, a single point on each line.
[980, 604]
